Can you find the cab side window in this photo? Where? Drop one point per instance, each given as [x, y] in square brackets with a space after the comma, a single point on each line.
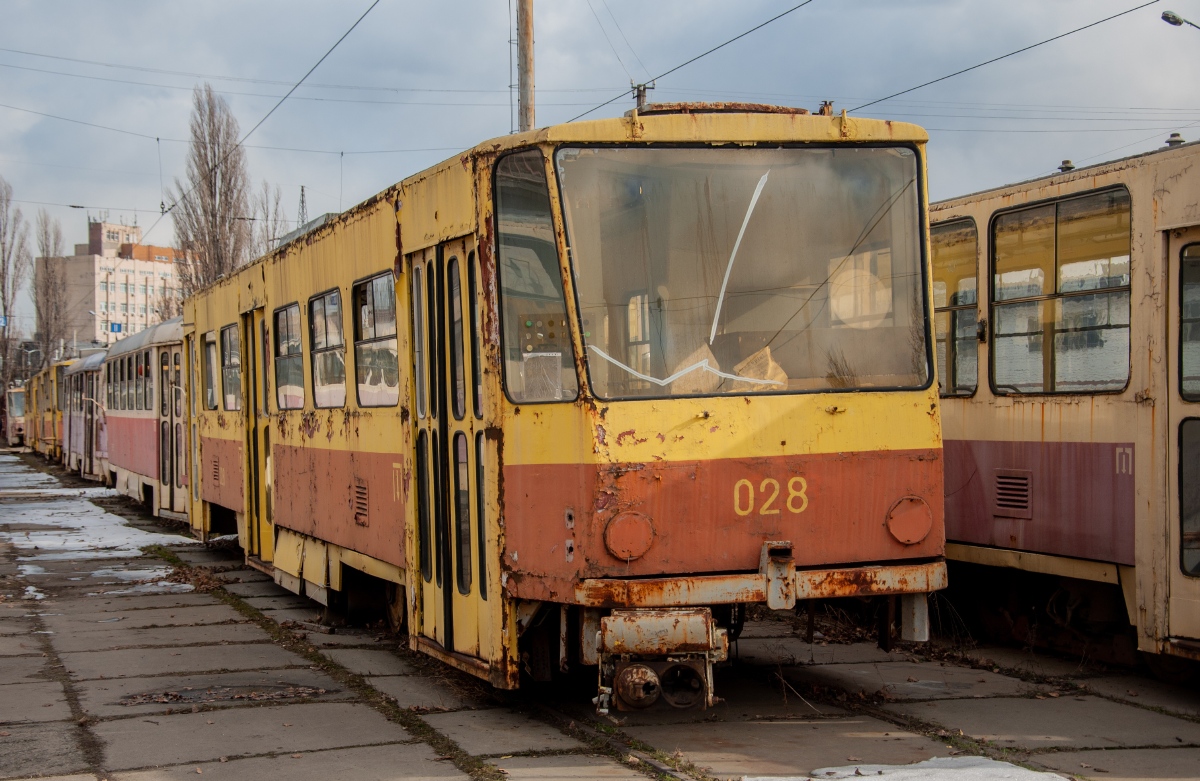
[955, 248]
[289, 359]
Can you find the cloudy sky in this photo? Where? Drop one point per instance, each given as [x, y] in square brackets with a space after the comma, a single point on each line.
[418, 81]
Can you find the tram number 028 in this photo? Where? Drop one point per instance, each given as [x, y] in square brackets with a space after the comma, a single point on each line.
[768, 498]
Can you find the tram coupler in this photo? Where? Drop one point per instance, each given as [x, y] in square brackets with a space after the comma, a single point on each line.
[653, 654]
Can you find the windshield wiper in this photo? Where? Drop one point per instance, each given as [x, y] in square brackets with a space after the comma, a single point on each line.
[703, 364]
[745, 221]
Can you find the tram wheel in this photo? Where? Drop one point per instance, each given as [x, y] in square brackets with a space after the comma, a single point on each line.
[396, 610]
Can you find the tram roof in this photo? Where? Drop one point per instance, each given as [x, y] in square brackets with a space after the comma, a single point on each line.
[164, 333]
[91, 363]
[1058, 177]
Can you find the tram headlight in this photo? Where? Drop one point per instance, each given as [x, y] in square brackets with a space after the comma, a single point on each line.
[629, 535]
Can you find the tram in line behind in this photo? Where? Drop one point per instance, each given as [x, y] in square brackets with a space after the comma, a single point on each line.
[1069, 362]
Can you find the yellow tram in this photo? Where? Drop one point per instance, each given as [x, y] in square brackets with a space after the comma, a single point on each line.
[47, 400]
[579, 395]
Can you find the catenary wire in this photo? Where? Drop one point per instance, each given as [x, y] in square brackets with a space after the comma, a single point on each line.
[1005, 56]
[700, 56]
[258, 124]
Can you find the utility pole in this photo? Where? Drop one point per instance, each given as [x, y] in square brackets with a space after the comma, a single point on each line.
[525, 63]
[302, 215]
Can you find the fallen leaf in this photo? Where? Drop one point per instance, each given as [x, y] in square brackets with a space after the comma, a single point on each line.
[296, 756]
[912, 679]
[1131, 692]
[199, 771]
[5, 734]
[854, 759]
[210, 722]
[1053, 694]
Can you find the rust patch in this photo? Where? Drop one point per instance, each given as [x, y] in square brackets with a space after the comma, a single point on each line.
[630, 434]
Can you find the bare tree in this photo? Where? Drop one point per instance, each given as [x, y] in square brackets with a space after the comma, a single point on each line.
[49, 284]
[269, 222]
[14, 268]
[164, 304]
[212, 203]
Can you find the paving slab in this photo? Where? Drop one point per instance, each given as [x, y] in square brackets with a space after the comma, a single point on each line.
[22, 669]
[788, 747]
[485, 732]
[20, 645]
[40, 701]
[257, 588]
[415, 691]
[911, 681]
[105, 603]
[349, 639]
[40, 749]
[1136, 764]
[131, 696]
[566, 767]
[398, 762]
[109, 639]
[1034, 663]
[794, 651]
[246, 575]
[282, 602]
[767, 629]
[369, 661]
[187, 659]
[168, 616]
[16, 624]
[209, 558]
[190, 737]
[1068, 722]
[310, 616]
[1147, 692]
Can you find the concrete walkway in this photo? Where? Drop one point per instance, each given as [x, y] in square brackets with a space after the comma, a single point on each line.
[112, 666]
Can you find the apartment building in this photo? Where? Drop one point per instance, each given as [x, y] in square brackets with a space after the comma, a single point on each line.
[115, 285]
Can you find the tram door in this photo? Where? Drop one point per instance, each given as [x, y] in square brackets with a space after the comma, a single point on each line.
[88, 404]
[170, 427]
[1183, 434]
[256, 395]
[450, 450]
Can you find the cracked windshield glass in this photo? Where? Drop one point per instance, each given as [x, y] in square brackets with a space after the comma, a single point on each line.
[737, 271]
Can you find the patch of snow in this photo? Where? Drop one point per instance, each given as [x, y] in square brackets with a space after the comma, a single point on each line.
[936, 769]
[161, 587]
[31, 592]
[132, 574]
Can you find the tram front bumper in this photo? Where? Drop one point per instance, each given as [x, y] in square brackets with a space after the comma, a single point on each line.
[753, 587]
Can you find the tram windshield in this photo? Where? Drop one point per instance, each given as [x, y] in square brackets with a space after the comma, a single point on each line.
[704, 271]
[16, 404]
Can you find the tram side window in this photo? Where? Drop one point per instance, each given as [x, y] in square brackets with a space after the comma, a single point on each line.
[1060, 296]
[1189, 323]
[328, 347]
[210, 370]
[148, 379]
[538, 355]
[289, 360]
[108, 383]
[1189, 497]
[376, 364]
[955, 246]
[231, 368]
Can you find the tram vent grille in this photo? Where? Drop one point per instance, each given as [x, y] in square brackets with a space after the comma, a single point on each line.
[361, 503]
[1014, 493]
[216, 472]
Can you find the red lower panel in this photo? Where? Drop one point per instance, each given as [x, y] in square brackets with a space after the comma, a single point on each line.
[1080, 497]
[713, 516]
[133, 444]
[352, 499]
[222, 473]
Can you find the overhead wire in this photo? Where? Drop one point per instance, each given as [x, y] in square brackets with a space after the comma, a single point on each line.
[1005, 56]
[632, 50]
[604, 32]
[666, 73]
[265, 117]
